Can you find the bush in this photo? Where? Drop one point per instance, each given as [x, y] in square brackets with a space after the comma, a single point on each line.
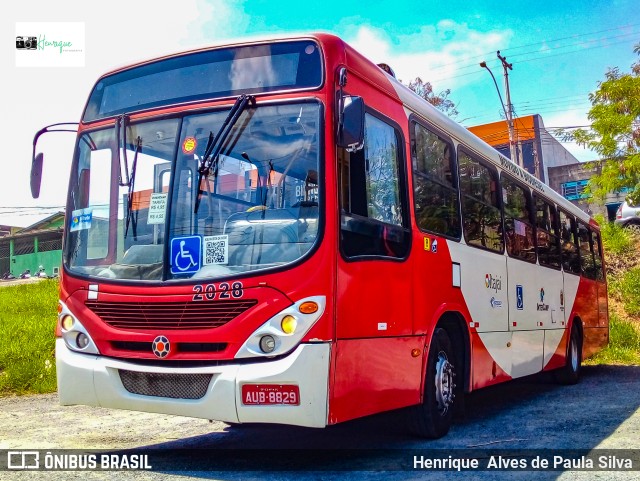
[621, 250]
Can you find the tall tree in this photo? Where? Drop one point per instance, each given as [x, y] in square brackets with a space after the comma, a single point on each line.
[440, 100]
[615, 132]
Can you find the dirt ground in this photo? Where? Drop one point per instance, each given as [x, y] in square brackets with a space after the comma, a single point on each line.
[601, 412]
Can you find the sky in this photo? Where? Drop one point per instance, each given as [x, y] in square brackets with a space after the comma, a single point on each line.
[559, 51]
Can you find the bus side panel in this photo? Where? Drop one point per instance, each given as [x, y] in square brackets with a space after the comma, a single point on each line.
[554, 359]
[433, 283]
[489, 368]
[586, 307]
[375, 375]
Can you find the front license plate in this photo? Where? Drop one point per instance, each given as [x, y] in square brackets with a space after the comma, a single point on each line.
[269, 394]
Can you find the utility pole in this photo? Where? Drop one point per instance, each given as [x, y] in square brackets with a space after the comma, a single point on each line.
[515, 157]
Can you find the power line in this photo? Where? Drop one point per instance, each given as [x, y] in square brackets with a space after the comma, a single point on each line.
[510, 49]
[441, 79]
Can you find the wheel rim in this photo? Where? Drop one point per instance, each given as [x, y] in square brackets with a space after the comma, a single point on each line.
[574, 356]
[444, 383]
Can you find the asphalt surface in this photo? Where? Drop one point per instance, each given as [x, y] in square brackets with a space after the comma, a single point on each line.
[601, 412]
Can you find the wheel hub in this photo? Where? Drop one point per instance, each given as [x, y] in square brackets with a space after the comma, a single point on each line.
[444, 383]
[574, 356]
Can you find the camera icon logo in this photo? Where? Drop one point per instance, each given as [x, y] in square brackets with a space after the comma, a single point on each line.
[26, 43]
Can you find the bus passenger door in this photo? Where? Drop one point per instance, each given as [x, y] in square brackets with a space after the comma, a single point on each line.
[374, 366]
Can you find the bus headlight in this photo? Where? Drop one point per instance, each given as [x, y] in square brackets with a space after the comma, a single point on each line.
[74, 334]
[267, 344]
[289, 324]
[283, 332]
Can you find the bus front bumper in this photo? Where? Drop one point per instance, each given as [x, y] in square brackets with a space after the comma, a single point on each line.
[95, 381]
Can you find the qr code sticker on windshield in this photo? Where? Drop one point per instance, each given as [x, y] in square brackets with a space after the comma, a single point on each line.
[216, 249]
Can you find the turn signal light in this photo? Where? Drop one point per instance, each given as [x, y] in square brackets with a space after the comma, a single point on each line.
[66, 322]
[308, 307]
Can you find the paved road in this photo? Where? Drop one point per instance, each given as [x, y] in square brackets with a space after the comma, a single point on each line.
[603, 412]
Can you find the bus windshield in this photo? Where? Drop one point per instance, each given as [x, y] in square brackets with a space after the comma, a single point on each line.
[258, 206]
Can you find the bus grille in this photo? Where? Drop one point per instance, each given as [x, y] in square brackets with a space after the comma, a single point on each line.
[175, 386]
[169, 315]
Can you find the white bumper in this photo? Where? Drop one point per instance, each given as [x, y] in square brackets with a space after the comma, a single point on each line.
[94, 380]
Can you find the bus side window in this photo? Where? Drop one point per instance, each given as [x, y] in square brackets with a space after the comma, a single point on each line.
[373, 206]
[519, 230]
[434, 183]
[547, 234]
[587, 264]
[597, 255]
[568, 236]
[482, 217]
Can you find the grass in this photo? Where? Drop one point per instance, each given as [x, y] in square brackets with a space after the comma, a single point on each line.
[27, 322]
[622, 256]
[626, 289]
[624, 344]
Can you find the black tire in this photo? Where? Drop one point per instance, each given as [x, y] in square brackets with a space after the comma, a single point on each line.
[570, 373]
[432, 418]
[633, 227]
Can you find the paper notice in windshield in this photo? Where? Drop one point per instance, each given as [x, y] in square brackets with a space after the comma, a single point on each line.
[81, 219]
[157, 208]
[216, 249]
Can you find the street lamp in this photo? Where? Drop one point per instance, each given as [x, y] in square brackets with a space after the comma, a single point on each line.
[507, 114]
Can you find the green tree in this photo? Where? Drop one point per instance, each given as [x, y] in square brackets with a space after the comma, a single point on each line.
[615, 132]
[440, 100]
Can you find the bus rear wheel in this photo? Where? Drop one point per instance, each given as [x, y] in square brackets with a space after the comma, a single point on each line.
[432, 418]
[570, 373]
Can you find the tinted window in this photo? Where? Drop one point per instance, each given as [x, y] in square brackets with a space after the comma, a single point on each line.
[373, 221]
[547, 234]
[587, 264]
[435, 187]
[482, 219]
[597, 255]
[570, 258]
[205, 75]
[517, 220]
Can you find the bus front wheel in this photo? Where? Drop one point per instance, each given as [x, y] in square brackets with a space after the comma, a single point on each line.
[432, 418]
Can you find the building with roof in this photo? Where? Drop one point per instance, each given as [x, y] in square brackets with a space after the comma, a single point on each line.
[39, 244]
[538, 149]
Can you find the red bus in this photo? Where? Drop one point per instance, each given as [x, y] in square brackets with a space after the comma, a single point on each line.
[281, 232]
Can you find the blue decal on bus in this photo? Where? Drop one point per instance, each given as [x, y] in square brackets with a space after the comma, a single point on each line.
[186, 254]
[519, 298]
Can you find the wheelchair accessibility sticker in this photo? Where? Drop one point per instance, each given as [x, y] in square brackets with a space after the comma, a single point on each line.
[186, 254]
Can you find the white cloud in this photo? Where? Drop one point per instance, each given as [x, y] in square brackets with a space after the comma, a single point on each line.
[437, 53]
[569, 118]
[119, 33]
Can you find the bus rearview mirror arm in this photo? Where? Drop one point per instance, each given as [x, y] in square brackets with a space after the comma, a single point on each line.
[38, 160]
[350, 132]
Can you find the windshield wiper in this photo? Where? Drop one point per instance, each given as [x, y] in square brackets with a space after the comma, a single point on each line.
[214, 145]
[132, 181]
[129, 178]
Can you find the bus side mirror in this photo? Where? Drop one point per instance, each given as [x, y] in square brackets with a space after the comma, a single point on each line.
[351, 125]
[36, 175]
